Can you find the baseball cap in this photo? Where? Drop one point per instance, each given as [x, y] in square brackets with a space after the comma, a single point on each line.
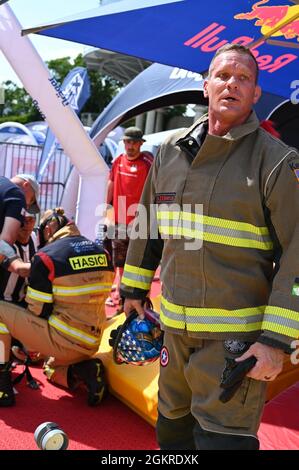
[133, 133]
[34, 208]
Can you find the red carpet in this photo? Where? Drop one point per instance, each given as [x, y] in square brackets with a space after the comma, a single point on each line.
[280, 425]
[110, 426]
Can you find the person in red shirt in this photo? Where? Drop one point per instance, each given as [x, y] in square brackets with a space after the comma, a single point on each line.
[127, 177]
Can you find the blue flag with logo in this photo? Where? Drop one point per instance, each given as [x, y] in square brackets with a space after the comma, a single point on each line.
[76, 90]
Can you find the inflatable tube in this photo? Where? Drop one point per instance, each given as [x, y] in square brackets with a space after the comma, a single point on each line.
[70, 194]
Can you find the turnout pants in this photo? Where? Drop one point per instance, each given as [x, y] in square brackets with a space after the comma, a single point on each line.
[190, 412]
[37, 335]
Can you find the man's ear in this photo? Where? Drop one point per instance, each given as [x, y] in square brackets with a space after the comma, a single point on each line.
[26, 186]
[205, 89]
[257, 94]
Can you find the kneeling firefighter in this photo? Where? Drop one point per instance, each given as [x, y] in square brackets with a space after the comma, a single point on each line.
[70, 280]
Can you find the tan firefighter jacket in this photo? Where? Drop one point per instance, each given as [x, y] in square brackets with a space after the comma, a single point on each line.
[69, 282]
[228, 235]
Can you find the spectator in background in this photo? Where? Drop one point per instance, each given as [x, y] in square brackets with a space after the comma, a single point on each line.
[12, 286]
[127, 177]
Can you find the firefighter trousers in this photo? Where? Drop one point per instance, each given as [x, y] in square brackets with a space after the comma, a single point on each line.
[189, 389]
[37, 335]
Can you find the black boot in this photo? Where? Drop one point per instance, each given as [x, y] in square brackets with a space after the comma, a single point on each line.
[175, 434]
[91, 373]
[7, 396]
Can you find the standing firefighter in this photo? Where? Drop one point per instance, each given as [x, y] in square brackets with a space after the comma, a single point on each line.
[231, 189]
[70, 279]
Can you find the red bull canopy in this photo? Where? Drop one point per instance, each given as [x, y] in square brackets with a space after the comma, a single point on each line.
[186, 33]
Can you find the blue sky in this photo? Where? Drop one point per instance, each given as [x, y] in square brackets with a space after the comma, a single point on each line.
[35, 12]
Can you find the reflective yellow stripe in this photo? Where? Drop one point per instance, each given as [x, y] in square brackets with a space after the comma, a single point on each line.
[211, 229]
[73, 332]
[134, 276]
[138, 271]
[179, 309]
[71, 291]
[245, 328]
[133, 283]
[3, 329]
[282, 321]
[211, 320]
[216, 222]
[224, 240]
[38, 295]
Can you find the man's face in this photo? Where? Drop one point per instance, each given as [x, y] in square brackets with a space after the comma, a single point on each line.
[49, 230]
[231, 88]
[132, 148]
[26, 230]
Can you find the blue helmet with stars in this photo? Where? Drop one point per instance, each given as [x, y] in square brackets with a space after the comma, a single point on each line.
[137, 341]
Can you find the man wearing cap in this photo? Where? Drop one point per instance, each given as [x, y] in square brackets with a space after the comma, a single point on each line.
[16, 195]
[127, 177]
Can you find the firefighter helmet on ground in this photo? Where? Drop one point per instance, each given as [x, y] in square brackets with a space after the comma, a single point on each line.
[137, 341]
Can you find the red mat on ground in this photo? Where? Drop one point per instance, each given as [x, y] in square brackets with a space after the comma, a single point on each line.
[280, 424]
[110, 426]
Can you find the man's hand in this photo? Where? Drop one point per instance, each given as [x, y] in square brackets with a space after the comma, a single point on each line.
[20, 267]
[233, 375]
[134, 304]
[269, 361]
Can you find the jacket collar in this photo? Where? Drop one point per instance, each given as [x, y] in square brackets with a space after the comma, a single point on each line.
[235, 133]
[69, 230]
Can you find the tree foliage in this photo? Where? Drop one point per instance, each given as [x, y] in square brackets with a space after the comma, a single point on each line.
[18, 105]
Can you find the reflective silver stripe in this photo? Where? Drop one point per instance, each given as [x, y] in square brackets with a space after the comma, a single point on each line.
[137, 277]
[286, 322]
[79, 290]
[73, 332]
[198, 231]
[180, 317]
[38, 295]
[194, 217]
[281, 320]
[233, 320]
[211, 319]
[213, 230]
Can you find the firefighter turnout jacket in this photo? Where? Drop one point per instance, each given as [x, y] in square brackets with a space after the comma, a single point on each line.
[227, 212]
[70, 278]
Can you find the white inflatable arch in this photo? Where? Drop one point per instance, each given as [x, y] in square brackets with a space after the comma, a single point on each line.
[65, 124]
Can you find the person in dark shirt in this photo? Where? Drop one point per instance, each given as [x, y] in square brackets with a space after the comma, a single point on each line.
[12, 285]
[16, 195]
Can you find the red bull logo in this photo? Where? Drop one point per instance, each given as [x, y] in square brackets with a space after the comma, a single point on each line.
[271, 17]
